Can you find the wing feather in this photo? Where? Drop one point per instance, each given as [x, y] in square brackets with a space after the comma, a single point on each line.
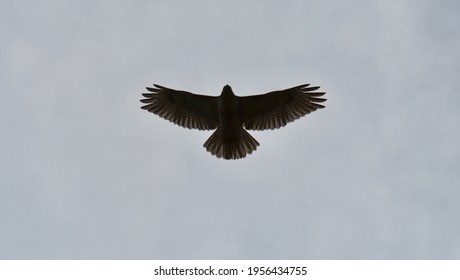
[181, 107]
[278, 108]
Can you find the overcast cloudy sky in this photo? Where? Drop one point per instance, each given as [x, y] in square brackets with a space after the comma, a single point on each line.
[85, 173]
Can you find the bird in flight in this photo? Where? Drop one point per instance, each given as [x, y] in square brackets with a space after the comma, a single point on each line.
[230, 115]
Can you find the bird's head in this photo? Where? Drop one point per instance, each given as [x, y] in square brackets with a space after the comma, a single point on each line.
[227, 91]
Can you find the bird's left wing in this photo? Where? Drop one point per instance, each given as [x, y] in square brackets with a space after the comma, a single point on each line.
[276, 109]
[182, 108]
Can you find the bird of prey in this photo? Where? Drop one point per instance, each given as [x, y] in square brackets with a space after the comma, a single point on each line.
[230, 115]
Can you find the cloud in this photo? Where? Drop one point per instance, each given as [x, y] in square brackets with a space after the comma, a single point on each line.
[86, 174]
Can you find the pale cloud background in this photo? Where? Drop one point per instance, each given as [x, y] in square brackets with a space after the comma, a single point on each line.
[85, 173]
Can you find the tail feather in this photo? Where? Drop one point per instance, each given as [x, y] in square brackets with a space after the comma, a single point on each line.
[217, 146]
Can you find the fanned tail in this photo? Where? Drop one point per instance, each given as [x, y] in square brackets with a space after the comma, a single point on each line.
[217, 146]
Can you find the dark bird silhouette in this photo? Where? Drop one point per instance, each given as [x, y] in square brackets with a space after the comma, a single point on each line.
[231, 115]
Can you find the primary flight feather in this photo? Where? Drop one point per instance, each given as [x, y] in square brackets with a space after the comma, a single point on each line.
[231, 115]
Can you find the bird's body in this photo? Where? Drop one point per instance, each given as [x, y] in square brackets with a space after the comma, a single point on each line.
[231, 115]
[229, 119]
[230, 140]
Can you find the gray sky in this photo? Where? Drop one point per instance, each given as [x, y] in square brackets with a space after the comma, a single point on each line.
[85, 173]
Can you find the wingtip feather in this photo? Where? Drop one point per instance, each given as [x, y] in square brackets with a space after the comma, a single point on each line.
[160, 87]
[149, 100]
[310, 88]
[315, 99]
[151, 89]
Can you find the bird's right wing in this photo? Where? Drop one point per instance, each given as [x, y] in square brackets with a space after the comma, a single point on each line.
[182, 108]
[277, 108]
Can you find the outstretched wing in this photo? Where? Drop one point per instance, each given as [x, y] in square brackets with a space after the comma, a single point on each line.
[182, 108]
[276, 109]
